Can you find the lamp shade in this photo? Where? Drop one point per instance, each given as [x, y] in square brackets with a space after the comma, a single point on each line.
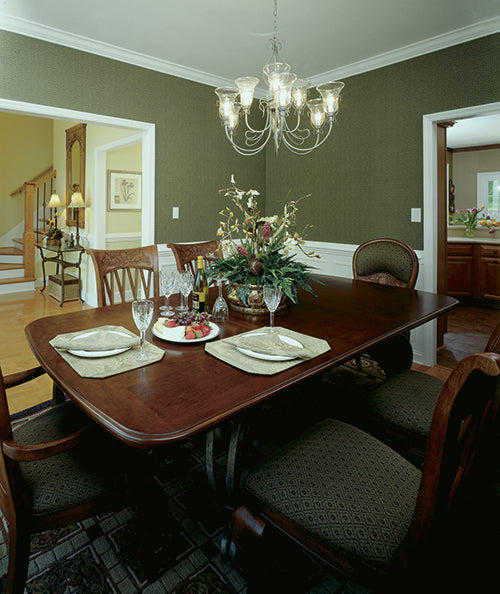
[55, 201]
[76, 201]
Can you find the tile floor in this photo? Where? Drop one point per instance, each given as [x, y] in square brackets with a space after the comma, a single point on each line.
[469, 329]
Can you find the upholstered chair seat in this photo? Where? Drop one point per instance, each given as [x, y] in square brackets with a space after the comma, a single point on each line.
[399, 410]
[360, 506]
[343, 487]
[66, 480]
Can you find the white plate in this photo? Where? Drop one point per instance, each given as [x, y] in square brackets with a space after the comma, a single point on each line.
[267, 357]
[177, 334]
[97, 354]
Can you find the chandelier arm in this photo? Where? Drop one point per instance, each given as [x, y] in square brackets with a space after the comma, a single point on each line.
[306, 150]
[246, 151]
[250, 129]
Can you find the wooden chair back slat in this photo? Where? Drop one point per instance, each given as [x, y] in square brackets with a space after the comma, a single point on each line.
[186, 254]
[119, 272]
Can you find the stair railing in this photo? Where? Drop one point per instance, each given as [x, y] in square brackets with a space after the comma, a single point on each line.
[29, 188]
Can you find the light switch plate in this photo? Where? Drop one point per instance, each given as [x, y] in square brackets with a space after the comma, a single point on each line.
[416, 215]
[175, 212]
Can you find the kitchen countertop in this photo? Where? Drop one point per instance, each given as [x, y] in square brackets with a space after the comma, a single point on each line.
[480, 236]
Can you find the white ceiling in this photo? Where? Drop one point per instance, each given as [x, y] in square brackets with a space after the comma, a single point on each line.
[214, 41]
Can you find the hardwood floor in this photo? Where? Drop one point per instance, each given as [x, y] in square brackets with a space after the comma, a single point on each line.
[16, 311]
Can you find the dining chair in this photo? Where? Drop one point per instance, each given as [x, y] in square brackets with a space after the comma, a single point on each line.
[126, 274]
[357, 504]
[399, 410]
[186, 254]
[391, 262]
[56, 468]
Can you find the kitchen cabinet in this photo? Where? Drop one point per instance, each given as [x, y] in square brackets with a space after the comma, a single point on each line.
[474, 271]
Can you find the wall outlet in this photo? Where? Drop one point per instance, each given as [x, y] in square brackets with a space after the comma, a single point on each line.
[175, 212]
[416, 215]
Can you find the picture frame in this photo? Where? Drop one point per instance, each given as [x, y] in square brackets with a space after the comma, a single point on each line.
[124, 190]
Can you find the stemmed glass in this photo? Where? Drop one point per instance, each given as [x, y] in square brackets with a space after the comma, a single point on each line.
[168, 285]
[272, 297]
[185, 281]
[220, 311]
[142, 310]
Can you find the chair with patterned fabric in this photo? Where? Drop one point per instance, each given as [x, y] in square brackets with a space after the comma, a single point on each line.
[55, 468]
[358, 505]
[399, 410]
[126, 274]
[186, 254]
[391, 262]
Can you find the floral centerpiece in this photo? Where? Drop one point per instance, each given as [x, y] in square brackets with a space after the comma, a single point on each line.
[257, 250]
[470, 218]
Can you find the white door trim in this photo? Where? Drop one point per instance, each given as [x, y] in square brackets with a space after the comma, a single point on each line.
[430, 203]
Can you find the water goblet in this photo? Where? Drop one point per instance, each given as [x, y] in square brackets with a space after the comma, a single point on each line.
[272, 297]
[185, 281]
[142, 311]
[220, 311]
[168, 285]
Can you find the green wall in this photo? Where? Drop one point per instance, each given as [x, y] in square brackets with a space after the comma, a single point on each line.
[369, 173]
[363, 181]
[193, 157]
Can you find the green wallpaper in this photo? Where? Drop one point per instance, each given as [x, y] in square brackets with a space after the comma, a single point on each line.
[368, 174]
[363, 181]
[193, 157]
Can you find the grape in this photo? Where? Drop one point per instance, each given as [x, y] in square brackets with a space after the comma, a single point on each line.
[190, 317]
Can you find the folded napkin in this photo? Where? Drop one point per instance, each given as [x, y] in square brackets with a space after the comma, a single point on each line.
[269, 343]
[103, 338]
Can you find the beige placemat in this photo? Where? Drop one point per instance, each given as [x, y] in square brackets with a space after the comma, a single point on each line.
[101, 367]
[225, 350]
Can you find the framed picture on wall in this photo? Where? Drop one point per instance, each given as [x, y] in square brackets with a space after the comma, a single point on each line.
[124, 190]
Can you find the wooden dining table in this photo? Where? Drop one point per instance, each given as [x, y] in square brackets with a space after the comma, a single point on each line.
[190, 391]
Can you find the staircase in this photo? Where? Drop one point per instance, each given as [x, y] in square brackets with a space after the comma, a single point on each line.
[17, 262]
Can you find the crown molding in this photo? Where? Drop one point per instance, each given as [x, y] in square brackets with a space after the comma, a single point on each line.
[433, 44]
[107, 50]
[78, 42]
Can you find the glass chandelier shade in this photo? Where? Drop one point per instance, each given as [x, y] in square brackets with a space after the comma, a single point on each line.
[283, 108]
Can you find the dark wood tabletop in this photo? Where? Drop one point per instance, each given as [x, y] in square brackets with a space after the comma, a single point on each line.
[189, 390]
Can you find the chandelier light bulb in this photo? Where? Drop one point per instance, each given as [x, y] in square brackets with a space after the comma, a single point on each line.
[330, 93]
[317, 110]
[299, 94]
[227, 101]
[246, 87]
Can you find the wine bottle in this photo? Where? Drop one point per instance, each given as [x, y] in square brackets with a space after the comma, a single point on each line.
[200, 289]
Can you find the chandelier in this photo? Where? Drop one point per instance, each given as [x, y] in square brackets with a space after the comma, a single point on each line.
[284, 108]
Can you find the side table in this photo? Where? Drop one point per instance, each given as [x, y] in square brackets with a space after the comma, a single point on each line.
[57, 255]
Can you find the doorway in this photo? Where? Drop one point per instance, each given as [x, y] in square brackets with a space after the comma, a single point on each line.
[435, 242]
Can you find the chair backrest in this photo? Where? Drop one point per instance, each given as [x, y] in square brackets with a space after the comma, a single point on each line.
[386, 261]
[493, 345]
[186, 253]
[463, 421]
[126, 274]
[6, 465]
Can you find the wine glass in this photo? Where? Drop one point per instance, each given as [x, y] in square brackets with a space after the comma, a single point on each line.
[220, 311]
[142, 310]
[185, 281]
[272, 297]
[168, 285]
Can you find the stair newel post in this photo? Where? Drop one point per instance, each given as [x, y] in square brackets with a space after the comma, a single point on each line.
[29, 233]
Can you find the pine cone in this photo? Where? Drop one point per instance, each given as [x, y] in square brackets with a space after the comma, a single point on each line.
[255, 267]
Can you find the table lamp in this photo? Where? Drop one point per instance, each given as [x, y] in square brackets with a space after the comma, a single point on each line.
[77, 203]
[54, 203]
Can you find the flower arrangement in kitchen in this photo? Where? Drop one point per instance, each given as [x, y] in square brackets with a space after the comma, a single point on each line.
[470, 218]
[257, 248]
[490, 224]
